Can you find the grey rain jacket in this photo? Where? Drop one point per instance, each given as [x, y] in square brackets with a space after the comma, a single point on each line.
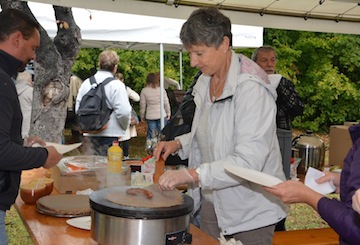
[242, 132]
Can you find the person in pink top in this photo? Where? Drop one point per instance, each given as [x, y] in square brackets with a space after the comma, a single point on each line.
[150, 106]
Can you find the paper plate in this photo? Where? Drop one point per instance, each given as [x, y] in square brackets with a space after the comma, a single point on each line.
[254, 176]
[81, 222]
[62, 149]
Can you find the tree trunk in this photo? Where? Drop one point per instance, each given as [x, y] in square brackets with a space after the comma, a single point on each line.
[53, 63]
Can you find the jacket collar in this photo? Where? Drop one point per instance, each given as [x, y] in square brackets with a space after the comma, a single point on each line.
[9, 64]
[240, 64]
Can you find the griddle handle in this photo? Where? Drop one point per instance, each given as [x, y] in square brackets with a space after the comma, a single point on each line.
[187, 238]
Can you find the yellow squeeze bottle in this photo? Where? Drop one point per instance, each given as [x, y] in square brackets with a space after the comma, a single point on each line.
[115, 155]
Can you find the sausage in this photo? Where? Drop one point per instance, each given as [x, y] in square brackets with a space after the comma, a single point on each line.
[139, 191]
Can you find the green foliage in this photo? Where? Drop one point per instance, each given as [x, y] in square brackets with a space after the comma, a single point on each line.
[324, 67]
[86, 62]
[136, 65]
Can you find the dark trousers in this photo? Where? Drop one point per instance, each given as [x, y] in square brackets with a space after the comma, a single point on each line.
[97, 145]
[125, 145]
[280, 226]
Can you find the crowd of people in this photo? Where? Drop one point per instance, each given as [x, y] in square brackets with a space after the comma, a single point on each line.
[239, 103]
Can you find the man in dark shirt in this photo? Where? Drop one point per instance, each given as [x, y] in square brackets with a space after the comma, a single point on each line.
[19, 39]
[289, 103]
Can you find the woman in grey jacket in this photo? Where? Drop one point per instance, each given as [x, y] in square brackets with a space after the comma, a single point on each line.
[234, 124]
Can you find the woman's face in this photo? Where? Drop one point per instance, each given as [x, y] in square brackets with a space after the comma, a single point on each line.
[208, 59]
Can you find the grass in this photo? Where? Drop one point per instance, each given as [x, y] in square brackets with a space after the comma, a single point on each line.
[16, 230]
[301, 216]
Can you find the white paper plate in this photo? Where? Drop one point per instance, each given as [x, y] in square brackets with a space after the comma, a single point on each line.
[254, 176]
[81, 222]
[62, 149]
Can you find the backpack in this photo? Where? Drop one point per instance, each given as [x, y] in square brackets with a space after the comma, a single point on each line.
[173, 128]
[93, 113]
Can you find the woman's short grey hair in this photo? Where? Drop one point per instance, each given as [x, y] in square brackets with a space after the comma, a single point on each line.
[265, 48]
[206, 26]
[108, 59]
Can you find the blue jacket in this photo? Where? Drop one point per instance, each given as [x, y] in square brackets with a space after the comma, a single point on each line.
[340, 214]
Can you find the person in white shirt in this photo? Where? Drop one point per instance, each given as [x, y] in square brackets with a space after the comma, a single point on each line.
[117, 100]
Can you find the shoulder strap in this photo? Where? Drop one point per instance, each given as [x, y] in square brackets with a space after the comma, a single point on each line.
[92, 80]
[107, 80]
[102, 86]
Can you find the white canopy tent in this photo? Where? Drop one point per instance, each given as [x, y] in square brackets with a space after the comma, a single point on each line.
[105, 29]
[337, 16]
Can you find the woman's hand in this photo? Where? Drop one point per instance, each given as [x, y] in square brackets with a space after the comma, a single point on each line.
[295, 192]
[331, 177]
[173, 178]
[165, 147]
[289, 191]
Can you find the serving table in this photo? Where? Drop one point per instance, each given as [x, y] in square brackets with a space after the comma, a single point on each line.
[49, 230]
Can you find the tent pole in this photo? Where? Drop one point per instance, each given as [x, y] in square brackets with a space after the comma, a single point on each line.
[162, 86]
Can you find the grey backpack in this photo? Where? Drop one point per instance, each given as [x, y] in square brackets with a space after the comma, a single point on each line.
[93, 112]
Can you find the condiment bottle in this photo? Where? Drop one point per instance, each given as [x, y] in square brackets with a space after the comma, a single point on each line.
[114, 165]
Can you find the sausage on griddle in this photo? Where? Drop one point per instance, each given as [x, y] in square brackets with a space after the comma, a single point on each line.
[139, 191]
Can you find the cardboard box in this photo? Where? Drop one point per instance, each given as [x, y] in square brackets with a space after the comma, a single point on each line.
[71, 183]
[340, 144]
[350, 123]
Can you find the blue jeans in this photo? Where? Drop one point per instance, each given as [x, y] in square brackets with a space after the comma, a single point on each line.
[3, 235]
[154, 128]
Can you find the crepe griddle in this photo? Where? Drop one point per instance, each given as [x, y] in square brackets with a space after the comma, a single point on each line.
[160, 199]
[99, 203]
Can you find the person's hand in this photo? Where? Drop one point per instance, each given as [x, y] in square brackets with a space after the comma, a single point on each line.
[356, 201]
[289, 191]
[31, 140]
[331, 177]
[295, 192]
[165, 147]
[173, 178]
[53, 157]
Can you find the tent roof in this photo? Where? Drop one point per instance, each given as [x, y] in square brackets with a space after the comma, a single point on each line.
[338, 16]
[128, 31]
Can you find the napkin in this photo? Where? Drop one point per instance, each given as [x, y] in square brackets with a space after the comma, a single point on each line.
[324, 188]
[87, 191]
